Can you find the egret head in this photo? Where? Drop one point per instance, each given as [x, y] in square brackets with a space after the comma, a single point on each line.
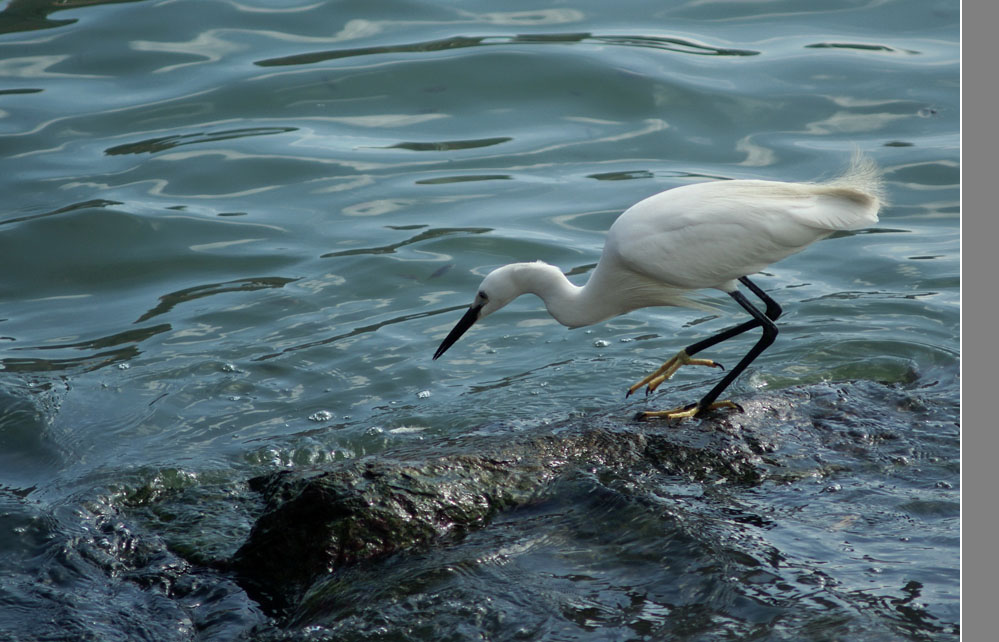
[498, 288]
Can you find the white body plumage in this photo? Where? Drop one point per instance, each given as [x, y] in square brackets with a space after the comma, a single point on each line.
[705, 235]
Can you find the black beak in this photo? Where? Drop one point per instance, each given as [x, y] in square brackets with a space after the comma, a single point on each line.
[463, 325]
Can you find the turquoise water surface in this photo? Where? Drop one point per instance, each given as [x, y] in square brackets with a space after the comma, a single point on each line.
[233, 233]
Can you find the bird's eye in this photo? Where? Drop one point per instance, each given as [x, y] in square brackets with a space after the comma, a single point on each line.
[483, 295]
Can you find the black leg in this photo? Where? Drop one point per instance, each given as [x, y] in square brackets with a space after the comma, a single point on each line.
[773, 309]
[759, 319]
[773, 312]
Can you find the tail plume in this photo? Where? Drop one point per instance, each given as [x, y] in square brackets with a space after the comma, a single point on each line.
[863, 175]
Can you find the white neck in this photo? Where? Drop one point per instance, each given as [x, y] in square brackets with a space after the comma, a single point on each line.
[565, 301]
[602, 297]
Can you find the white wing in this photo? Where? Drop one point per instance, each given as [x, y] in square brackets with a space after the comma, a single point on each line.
[707, 235]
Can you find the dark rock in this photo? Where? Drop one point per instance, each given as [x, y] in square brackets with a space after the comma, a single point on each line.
[319, 522]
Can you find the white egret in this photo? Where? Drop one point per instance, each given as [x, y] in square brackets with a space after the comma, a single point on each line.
[704, 235]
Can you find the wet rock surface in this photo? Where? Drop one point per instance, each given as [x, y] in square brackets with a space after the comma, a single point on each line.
[830, 506]
[319, 524]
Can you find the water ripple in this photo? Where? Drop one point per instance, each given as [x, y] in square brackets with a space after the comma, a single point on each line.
[173, 299]
[153, 145]
[678, 45]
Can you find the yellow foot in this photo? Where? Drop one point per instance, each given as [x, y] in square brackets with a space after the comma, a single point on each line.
[686, 411]
[668, 369]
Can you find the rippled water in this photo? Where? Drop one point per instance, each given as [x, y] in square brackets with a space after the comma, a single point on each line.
[233, 234]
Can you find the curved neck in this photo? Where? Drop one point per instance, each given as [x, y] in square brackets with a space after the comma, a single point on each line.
[570, 305]
[611, 290]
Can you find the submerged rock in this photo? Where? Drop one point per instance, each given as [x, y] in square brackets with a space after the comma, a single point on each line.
[324, 528]
[318, 522]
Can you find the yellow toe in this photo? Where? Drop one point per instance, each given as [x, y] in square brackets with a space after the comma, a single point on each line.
[668, 369]
[686, 411]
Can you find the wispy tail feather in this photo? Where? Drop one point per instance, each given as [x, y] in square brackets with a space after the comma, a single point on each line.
[863, 175]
